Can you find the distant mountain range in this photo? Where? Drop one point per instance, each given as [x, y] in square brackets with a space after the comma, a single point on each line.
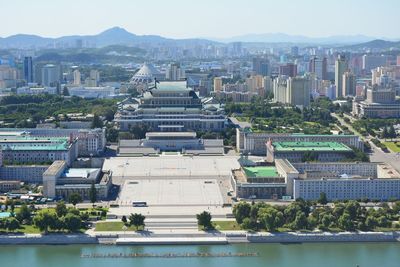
[374, 44]
[286, 38]
[119, 36]
[112, 36]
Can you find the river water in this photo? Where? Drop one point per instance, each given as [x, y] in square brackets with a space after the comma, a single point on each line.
[276, 255]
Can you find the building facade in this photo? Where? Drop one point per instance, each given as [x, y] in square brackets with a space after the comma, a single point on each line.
[170, 106]
[254, 143]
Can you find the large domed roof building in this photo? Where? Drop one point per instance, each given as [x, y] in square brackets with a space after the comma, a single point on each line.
[146, 74]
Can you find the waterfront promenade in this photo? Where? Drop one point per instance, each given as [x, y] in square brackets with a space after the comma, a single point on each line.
[197, 237]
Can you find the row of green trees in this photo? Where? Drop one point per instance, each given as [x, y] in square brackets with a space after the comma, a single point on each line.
[302, 215]
[28, 110]
[388, 132]
[59, 219]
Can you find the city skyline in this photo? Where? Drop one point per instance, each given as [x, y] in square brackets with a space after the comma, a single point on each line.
[216, 20]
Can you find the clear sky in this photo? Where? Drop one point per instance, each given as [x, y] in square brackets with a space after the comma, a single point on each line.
[202, 18]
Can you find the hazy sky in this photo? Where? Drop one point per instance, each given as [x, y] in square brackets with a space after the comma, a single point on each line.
[202, 18]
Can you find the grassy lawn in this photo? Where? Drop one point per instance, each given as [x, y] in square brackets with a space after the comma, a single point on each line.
[24, 229]
[393, 146]
[226, 225]
[113, 226]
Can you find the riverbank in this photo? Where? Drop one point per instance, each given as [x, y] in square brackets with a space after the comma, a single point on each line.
[233, 237]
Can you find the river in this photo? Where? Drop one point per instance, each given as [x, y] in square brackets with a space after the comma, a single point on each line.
[276, 255]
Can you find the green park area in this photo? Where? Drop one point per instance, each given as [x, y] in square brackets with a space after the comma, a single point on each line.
[60, 219]
[393, 146]
[277, 118]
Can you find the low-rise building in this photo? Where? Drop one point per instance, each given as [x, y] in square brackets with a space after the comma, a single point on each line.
[347, 188]
[183, 142]
[24, 173]
[61, 181]
[339, 181]
[91, 142]
[92, 92]
[254, 142]
[379, 103]
[7, 186]
[258, 182]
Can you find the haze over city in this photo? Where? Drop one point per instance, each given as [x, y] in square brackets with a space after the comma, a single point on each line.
[205, 19]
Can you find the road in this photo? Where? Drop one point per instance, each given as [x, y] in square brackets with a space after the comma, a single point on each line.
[376, 155]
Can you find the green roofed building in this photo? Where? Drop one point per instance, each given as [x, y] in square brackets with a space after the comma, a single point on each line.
[307, 151]
[171, 107]
[37, 150]
[257, 172]
[258, 182]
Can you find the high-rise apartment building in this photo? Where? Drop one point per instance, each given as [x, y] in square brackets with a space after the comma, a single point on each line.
[50, 75]
[77, 77]
[370, 62]
[349, 84]
[175, 72]
[261, 66]
[298, 91]
[28, 69]
[217, 84]
[341, 66]
[319, 67]
[293, 91]
[288, 69]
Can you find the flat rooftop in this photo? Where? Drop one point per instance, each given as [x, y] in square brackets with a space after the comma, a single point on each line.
[172, 86]
[171, 166]
[55, 168]
[258, 172]
[310, 146]
[171, 134]
[177, 192]
[34, 143]
[90, 173]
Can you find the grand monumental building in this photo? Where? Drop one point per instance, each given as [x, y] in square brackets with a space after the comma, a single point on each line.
[170, 107]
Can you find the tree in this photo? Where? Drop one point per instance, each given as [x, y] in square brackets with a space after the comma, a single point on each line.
[72, 222]
[12, 224]
[300, 222]
[124, 220]
[371, 222]
[241, 211]
[112, 134]
[322, 199]
[137, 220]
[75, 198]
[65, 91]
[248, 224]
[61, 209]
[270, 218]
[97, 122]
[327, 220]
[384, 133]
[24, 214]
[93, 194]
[396, 207]
[204, 219]
[139, 131]
[345, 222]
[353, 209]
[12, 206]
[44, 220]
[392, 132]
